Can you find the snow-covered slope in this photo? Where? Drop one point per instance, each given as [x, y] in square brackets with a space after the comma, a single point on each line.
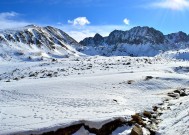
[42, 96]
[181, 54]
[139, 41]
[34, 42]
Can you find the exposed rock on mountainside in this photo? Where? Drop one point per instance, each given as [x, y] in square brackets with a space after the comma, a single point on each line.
[98, 39]
[179, 37]
[32, 34]
[36, 41]
[137, 35]
[138, 41]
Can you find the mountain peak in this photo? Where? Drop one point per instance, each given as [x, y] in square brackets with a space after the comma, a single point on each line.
[177, 37]
[96, 40]
[144, 29]
[98, 37]
[32, 26]
[181, 32]
[136, 35]
[44, 39]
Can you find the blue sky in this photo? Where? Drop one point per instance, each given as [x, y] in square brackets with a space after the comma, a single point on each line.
[83, 18]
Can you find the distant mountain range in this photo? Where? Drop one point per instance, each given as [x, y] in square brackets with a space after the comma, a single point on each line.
[36, 43]
[137, 36]
[138, 41]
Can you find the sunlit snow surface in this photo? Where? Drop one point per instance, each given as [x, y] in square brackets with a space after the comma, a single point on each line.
[91, 88]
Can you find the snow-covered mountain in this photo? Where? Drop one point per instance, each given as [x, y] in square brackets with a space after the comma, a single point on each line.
[138, 41]
[179, 37]
[34, 42]
[37, 43]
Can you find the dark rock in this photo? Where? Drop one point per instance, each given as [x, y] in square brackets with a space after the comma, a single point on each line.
[155, 108]
[16, 79]
[114, 100]
[148, 78]
[177, 91]
[174, 95]
[128, 63]
[130, 81]
[65, 131]
[49, 74]
[106, 129]
[137, 130]
[182, 94]
[152, 132]
[147, 114]
[54, 60]
[137, 119]
[8, 80]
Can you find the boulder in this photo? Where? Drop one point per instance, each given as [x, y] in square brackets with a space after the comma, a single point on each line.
[174, 95]
[147, 114]
[148, 78]
[137, 119]
[155, 108]
[130, 81]
[137, 130]
[182, 94]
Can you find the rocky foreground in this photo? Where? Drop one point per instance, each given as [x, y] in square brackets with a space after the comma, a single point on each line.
[144, 123]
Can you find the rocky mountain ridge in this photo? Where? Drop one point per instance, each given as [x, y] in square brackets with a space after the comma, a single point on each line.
[135, 36]
[36, 43]
[34, 40]
[138, 41]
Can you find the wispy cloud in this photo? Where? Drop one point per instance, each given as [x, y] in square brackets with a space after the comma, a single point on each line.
[172, 4]
[82, 21]
[6, 15]
[9, 20]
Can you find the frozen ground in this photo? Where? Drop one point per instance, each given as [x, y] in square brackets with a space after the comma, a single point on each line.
[43, 96]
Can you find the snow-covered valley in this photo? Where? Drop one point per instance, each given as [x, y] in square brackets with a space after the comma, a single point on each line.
[52, 85]
[42, 96]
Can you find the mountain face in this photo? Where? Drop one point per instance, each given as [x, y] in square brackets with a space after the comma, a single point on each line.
[35, 41]
[137, 35]
[138, 41]
[38, 43]
[179, 37]
[37, 35]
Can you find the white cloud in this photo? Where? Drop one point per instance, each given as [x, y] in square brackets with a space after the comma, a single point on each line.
[5, 15]
[79, 33]
[7, 20]
[82, 21]
[172, 4]
[126, 21]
